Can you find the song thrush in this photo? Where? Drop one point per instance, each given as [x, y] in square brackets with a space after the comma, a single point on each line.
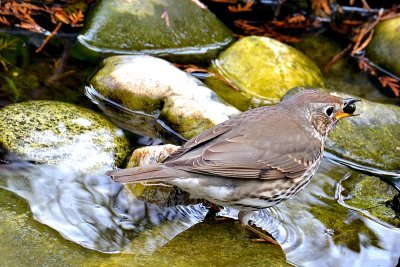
[255, 160]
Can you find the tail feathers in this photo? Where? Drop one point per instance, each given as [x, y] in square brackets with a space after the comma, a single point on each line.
[151, 173]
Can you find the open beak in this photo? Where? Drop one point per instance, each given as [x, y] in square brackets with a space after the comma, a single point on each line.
[348, 108]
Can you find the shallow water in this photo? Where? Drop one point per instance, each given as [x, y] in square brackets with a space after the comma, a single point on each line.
[313, 228]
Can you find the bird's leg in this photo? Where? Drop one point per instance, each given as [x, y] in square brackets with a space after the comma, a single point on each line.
[244, 220]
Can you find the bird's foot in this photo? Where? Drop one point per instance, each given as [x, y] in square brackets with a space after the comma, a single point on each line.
[262, 237]
[244, 219]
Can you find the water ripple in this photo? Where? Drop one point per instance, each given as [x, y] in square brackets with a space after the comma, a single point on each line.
[96, 212]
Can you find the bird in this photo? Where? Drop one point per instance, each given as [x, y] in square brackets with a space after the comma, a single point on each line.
[254, 160]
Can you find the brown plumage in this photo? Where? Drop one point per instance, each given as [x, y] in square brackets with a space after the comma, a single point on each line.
[256, 159]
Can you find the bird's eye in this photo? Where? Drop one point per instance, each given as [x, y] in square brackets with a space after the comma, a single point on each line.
[350, 108]
[329, 111]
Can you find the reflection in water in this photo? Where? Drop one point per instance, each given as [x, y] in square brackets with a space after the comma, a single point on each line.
[312, 228]
[135, 121]
[94, 211]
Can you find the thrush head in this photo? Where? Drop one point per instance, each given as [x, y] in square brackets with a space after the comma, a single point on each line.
[319, 112]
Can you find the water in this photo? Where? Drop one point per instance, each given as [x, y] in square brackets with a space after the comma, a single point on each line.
[313, 228]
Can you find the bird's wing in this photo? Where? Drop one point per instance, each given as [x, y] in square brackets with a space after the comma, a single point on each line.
[275, 155]
[208, 135]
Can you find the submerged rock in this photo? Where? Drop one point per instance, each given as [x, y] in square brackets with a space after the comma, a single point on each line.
[153, 94]
[62, 134]
[371, 139]
[385, 45]
[166, 28]
[261, 70]
[370, 196]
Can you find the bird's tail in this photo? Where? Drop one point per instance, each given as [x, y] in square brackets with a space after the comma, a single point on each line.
[151, 173]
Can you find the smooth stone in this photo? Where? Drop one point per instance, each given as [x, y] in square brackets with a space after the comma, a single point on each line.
[61, 134]
[160, 194]
[371, 195]
[385, 45]
[261, 71]
[158, 91]
[138, 27]
[370, 139]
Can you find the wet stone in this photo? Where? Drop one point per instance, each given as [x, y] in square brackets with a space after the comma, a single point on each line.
[173, 29]
[62, 134]
[257, 71]
[156, 93]
[371, 195]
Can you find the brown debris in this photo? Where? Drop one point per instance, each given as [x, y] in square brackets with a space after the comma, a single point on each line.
[241, 8]
[22, 15]
[165, 17]
[392, 83]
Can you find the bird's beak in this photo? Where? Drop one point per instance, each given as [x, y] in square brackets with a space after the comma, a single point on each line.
[348, 108]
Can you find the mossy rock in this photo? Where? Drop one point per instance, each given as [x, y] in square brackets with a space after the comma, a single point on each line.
[371, 139]
[63, 135]
[173, 29]
[385, 45]
[153, 90]
[261, 70]
[371, 195]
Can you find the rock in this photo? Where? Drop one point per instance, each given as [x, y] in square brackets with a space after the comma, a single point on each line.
[370, 195]
[261, 70]
[160, 194]
[172, 29]
[370, 139]
[62, 134]
[156, 93]
[385, 45]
